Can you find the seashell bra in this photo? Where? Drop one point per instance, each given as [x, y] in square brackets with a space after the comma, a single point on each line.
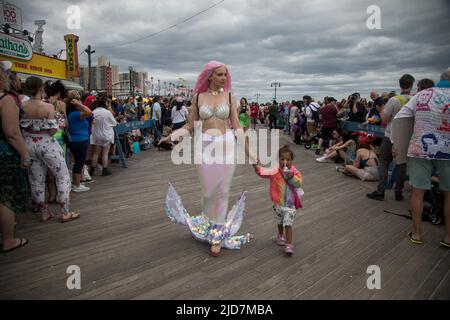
[222, 112]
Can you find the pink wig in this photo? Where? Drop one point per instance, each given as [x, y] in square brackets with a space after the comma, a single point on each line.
[202, 81]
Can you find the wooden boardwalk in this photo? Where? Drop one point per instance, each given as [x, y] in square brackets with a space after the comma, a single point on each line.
[127, 248]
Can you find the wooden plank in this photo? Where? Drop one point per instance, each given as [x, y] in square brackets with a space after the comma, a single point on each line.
[128, 249]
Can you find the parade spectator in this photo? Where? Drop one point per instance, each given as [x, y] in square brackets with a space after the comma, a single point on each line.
[273, 114]
[130, 110]
[365, 166]
[244, 114]
[157, 116]
[328, 121]
[373, 95]
[311, 111]
[77, 113]
[374, 116]
[429, 150]
[56, 93]
[254, 114]
[356, 108]
[179, 114]
[388, 113]
[102, 133]
[346, 150]
[39, 125]
[14, 158]
[424, 84]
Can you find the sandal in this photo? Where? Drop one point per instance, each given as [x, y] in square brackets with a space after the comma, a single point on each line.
[22, 242]
[415, 241]
[444, 244]
[73, 216]
[46, 216]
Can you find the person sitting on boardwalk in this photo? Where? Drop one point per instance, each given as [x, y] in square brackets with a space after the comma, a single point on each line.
[365, 166]
[284, 182]
[346, 149]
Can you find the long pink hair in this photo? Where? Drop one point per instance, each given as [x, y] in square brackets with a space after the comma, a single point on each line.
[202, 80]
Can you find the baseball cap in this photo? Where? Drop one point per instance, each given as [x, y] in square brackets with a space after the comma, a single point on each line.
[94, 93]
[5, 65]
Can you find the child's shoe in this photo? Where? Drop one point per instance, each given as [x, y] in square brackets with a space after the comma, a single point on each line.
[289, 248]
[281, 240]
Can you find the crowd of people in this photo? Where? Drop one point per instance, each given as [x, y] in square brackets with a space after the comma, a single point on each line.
[53, 141]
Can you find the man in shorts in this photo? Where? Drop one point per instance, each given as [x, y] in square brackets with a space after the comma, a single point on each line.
[429, 150]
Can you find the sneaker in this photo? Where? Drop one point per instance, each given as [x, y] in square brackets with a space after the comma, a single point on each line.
[340, 169]
[398, 196]
[322, 160]
[86, 180]
[375, 195]
[281, 240]
[91, 171]
[289, 248]
[317, 152]
[81, 188]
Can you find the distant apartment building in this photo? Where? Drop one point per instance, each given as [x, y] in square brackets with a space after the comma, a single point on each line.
[102, 76]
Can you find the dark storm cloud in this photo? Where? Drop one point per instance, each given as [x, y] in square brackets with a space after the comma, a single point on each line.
[311, 47]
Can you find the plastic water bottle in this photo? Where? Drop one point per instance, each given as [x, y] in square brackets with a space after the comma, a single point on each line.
[286, 169]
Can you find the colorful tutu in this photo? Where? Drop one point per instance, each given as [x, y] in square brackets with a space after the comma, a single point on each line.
[203, 228]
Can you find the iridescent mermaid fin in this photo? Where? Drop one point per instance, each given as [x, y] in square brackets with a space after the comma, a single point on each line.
[236, 214]
[174, 207]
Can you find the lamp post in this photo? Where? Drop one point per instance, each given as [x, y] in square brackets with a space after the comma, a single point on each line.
[151, 81]
[257, 97]
[130, 68]
[159, 88]
[275, 85]
[165, 88]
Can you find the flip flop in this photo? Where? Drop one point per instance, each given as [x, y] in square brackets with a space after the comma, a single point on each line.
[50, 216]
[22, 242]
[444, 244]
[414, 240]
[73, 216]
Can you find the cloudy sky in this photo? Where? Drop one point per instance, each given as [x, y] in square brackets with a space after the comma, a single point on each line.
[311, 47]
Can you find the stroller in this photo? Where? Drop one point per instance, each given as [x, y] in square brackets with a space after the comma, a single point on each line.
[433, 210]
[314, 139]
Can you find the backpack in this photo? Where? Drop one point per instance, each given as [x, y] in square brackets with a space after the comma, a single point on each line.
[403, 100]
[314, 113]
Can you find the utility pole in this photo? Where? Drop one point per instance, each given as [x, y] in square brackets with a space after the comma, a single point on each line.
[89, 52]
[257, 97]
[275, 85]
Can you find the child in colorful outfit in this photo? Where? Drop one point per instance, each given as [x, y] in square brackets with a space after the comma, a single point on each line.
[285, 179]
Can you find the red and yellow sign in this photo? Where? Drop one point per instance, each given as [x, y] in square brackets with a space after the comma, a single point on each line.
[39, 65]
[72, 55]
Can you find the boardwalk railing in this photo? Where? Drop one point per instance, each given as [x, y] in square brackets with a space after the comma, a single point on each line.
[351, 126]
[126, 127]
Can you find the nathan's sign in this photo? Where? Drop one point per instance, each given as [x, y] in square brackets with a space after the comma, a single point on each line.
[39, 65]
[15, 47]
[72, 55]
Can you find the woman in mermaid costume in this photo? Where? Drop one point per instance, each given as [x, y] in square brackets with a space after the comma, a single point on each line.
[214, 109]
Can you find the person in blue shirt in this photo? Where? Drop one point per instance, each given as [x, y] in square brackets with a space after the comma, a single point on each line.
[77, 113]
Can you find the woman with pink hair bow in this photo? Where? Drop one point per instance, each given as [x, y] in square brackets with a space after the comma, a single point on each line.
[214, 110]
